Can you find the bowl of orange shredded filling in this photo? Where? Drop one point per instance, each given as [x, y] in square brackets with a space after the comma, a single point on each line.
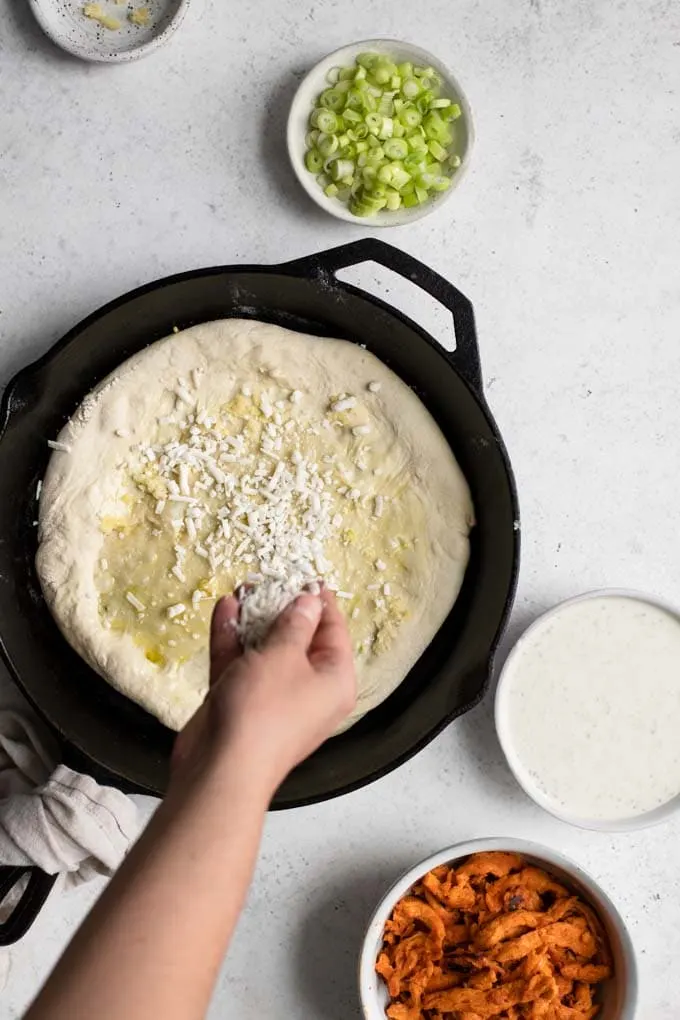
[497, 929]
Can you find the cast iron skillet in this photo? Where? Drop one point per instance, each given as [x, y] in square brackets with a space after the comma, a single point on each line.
[116, 740]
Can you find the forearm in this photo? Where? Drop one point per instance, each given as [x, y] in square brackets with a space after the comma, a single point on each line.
[153, 943]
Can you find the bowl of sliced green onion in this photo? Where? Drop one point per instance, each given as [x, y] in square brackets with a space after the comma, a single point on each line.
[380, 132]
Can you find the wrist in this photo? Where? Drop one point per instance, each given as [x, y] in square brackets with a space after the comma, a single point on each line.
[234, 768]
[254, 762]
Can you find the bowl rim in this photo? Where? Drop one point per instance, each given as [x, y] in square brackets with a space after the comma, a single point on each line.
[308, 181]
[631, 824]
[97, 56]
[600, 900]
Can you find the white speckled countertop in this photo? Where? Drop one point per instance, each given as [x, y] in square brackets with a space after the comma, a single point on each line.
[565, 235]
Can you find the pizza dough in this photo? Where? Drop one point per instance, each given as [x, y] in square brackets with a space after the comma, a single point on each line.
[237, 451]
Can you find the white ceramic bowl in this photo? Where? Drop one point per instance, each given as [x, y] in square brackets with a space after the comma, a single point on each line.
[620, 994]
[66, 25]
[521, 773]
[303, 104]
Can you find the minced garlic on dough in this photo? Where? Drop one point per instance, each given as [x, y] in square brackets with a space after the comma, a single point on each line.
[237, 452]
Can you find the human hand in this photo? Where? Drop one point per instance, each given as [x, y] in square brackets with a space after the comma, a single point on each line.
[271, 708]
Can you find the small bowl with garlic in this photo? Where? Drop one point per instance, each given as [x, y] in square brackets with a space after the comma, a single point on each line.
[109, 31]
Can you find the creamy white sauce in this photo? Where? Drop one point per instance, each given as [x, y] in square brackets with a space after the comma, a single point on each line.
[591, 702]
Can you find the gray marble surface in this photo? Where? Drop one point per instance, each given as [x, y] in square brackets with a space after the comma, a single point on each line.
[565, 236]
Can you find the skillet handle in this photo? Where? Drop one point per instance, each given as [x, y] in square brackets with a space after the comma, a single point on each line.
[465, 358]
[29, 906]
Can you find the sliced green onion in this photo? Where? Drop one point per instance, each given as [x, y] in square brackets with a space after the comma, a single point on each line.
[314, 161]
[441, 183]
[373, 122]
[355, 99]
[410, 117]
[382, 135]
[436, 129]
[351, 116]
[327, 145]
[415, 162]
[425, 180]
[340, 168]
[400, 178]
[325, 120]
[359, 209]
[333, 99]
[423, 101]
[386, 173]
[387, 128]
[396, 148]
[437, 150]
[375, 156]
[382, 71]
[375, 204]
[417, 143]
[393, 199]
[369, 102]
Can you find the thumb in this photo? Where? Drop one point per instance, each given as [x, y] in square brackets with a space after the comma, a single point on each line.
[224, 640]
[297, 624]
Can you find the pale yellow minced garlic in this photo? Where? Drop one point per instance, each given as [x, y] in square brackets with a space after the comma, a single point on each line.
[140, 16]
[96, 13]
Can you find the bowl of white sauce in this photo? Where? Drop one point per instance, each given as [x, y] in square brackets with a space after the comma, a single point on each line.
[588, 710]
